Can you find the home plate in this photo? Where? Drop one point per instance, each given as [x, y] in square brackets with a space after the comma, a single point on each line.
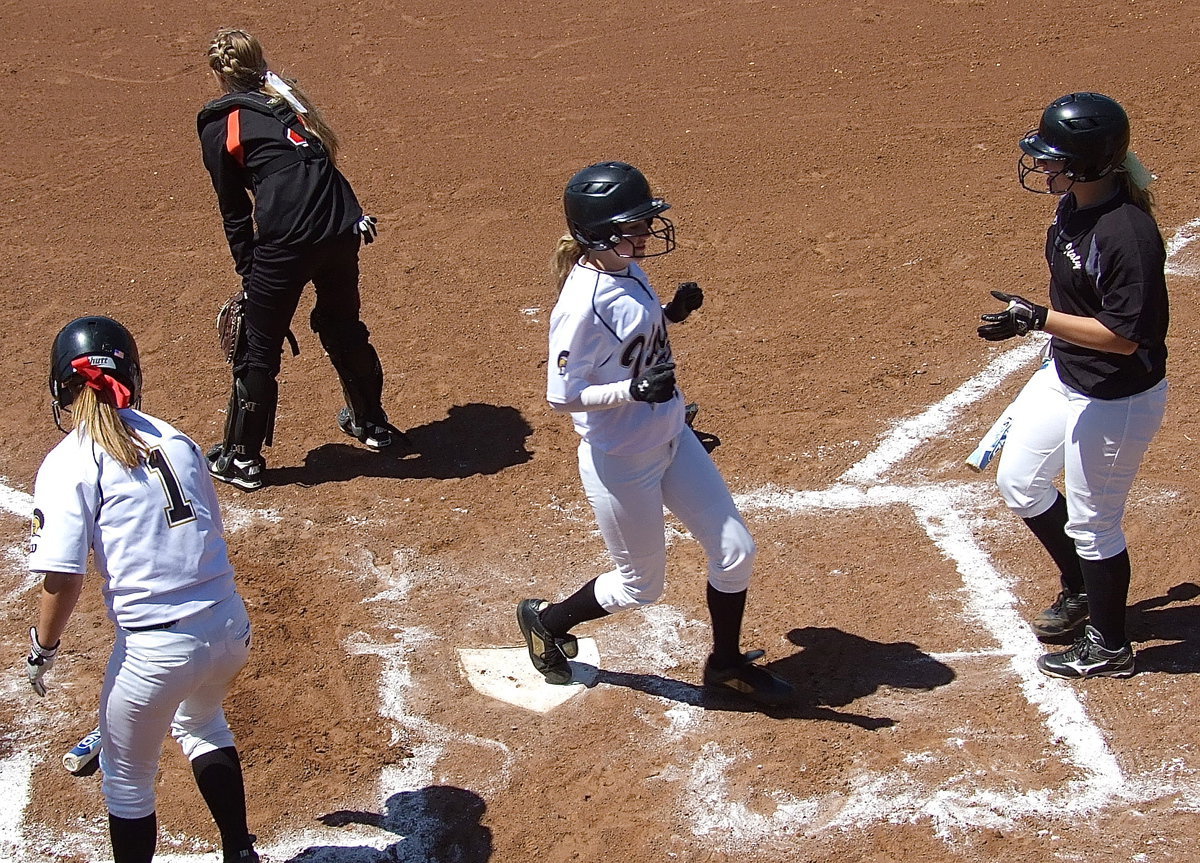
[506, 674]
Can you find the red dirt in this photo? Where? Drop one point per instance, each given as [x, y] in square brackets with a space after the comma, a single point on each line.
[843, 181]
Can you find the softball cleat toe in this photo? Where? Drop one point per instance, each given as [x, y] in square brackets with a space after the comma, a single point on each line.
[547, 652]
[749, 680]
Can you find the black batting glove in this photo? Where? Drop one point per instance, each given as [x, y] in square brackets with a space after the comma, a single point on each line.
[1018, 319]
[688, 297]
[657, 384]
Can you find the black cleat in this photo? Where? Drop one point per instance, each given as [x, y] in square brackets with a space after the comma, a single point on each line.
[1064, 618]
[547, 652]
[1088, 657]
[752, 681]
[246, 474]
[373, 435]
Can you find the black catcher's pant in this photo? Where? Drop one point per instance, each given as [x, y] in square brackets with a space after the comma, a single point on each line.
[273, 291]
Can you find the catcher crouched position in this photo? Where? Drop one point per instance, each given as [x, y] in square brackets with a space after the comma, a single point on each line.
[291, 218]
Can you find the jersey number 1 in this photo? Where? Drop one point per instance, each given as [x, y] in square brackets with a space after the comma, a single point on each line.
[180, 510]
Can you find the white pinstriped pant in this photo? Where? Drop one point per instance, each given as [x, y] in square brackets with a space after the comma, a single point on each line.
[167, 680]
[1098, 445]
[628, 493]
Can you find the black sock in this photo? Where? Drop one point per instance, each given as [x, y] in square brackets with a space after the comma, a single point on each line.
[219, 778]
[133, 839]
[1108, 593]
[1050, 529]
[726, 611]
[580, 607]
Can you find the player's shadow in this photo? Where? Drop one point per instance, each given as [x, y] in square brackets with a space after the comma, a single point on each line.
[472, 439]
[437, 824]
[833, 670]
[1164, 618]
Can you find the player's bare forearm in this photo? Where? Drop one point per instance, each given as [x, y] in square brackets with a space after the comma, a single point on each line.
[60, 593]
[1087, 332]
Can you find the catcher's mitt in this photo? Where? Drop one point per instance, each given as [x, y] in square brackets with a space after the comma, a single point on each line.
[231, 326]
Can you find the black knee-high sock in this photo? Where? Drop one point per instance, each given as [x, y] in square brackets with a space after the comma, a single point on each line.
[726, 611]
[1107, 584]
[219, 778]
[1050, 529]
[580, 607]
[133, 839]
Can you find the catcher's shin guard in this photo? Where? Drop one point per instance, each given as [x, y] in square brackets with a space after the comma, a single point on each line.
[357, 366]
[250, 421]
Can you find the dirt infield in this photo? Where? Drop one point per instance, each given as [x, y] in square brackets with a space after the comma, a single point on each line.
[844, 187]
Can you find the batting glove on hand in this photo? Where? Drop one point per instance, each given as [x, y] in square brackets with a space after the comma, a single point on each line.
[368, 226]
[657, 384]
[687, 299]
[39, 661]
[1018, 319]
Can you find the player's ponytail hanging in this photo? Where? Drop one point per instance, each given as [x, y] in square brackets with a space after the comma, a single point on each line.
[566, 254]
[97, 417]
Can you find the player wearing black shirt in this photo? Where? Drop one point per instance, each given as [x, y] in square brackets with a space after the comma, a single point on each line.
[290, 217]
[1092, 408]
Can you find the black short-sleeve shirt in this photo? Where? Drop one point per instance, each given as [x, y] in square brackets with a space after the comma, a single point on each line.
[1107, 262]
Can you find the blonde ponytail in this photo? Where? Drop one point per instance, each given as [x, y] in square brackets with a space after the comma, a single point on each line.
[566, 254]
[101, 421]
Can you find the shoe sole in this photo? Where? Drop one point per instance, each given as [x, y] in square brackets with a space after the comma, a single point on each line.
[554, 675]
[758, 696]
[1119, 674]
[1045, 632]
[240, 483]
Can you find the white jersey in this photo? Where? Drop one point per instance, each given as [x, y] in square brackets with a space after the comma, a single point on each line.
[155, 530]
[605, 328]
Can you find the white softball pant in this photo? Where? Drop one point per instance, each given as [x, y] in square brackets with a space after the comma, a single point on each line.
[167, 680]
[628, 493]
[1097, 444]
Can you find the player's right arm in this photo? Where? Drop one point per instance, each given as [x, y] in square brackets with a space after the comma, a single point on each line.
[221, 143]
[60, 594]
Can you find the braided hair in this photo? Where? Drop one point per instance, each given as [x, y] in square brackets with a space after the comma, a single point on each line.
[236, 58]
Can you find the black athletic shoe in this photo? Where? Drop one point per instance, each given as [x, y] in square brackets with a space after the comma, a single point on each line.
[1088, 657]
[1063, 618]
[752, 681]
[373, 435]
[547, 652]
[248, 855]
[246, 474]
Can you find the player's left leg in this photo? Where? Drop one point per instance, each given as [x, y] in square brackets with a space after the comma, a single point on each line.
[695, 491]
[1106, 443]
[336, 321]
[200, 727]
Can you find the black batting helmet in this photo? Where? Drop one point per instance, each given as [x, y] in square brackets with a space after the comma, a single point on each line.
[601, 198]
[106, 344]
[1087, 131]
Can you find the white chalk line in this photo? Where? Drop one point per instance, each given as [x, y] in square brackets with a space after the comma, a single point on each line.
[1183, 238]
[946, 513]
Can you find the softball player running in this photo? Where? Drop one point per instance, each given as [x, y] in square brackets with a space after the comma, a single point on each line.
[611, 368]
[137, 493]
[300, 222]
[1092, 409]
